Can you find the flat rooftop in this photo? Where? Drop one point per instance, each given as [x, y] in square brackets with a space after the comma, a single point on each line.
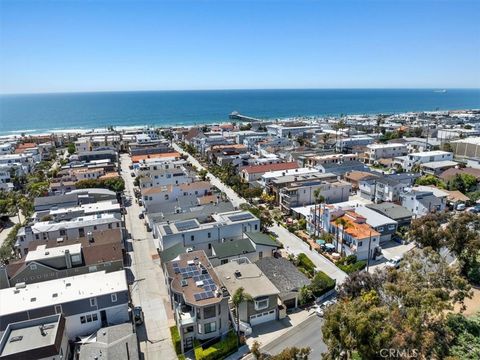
[41, 252]
[249, 276]
[59, 291]
[33, 339]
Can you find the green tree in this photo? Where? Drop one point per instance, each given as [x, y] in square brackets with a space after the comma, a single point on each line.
[71, 148]
[462, 182]
[404, 309]
[427, 230]
[430, 180]
[239, 297]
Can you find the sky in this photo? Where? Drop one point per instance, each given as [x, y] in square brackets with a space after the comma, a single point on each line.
[76, 46]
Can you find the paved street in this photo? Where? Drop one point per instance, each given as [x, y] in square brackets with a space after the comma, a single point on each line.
[232, 195]
[306, 334]
[148, 288]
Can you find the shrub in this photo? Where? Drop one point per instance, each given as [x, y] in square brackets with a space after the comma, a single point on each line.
[219, 350]
[305, 265]
[321, 283]
[176, 340]
[351, 268]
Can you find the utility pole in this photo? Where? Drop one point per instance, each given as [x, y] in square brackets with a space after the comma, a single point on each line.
[368, 256]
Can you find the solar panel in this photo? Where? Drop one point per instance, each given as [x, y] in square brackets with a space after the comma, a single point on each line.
[240, 217]
[197, 297]
[167, 229]
[186, 225]
[208, 294]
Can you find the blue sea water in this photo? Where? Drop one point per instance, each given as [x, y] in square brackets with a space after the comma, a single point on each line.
[46, 112]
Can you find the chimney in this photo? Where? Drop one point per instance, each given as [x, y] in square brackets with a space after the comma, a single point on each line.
[68, 259]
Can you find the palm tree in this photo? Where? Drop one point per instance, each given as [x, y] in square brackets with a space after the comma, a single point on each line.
[319, 199]
[341, 222]
[239, 297]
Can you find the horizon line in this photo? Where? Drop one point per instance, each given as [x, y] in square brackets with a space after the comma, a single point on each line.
[233, 89]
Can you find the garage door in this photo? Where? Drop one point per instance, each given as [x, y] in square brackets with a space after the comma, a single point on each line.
[263, 317]
[290, 304]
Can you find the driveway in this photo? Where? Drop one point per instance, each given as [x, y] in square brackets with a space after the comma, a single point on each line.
[294, 245]
[390, 249]
[306, 334]
[146, 279]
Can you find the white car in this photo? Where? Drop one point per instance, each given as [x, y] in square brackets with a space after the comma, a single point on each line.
[394, 262]
[320, 309]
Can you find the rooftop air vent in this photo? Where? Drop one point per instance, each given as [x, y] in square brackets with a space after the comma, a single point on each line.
[199, 283]
[184, 282]
[238, 273]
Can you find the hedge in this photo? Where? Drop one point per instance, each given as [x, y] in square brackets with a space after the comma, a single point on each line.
[305, 263]
[219, 350]
[321, 283]
[176, 340]
[351, 268]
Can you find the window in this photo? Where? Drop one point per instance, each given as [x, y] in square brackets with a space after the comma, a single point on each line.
[63, 232]
[192, 238]
[92, 268]
[82, 319]
[256, 227]
[209, 312]
[224, 261]
[94, 317]
[391, 227]
[76, 258]
[210, 327]
[166, 196]
[209, 235]
[380, 229]
[110, 226]
[93, 302]
[360, 243]
[260, 254]
[261, 303]
[89, 318]
[209, 246]
[113, 297]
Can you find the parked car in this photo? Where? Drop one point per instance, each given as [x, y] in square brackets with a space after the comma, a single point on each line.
[138, 315]
[474, 209]
[394, 262]
[141, 215]
[132, 174]
[320, 309]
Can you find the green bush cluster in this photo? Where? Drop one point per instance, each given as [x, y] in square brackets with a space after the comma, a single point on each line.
[176, 340]
[305, 265]
[219, 350]
[116, 184]
[321, 283]
[351, 268]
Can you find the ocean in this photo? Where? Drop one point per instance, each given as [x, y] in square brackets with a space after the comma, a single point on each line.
[41, 113]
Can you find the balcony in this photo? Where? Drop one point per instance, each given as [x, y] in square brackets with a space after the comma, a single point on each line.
[185, 315]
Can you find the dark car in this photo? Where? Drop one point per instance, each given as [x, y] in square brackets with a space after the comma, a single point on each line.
[141, 216]
[138, 315]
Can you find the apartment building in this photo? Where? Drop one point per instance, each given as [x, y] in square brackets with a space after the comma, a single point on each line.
[199, 303]
[87, 302]
[198, 235]
[255, 172]
[346, 145]
[163, 174]
[375, 152]
[303, 193]
[156, 196]
[290, 130]
[409, 161]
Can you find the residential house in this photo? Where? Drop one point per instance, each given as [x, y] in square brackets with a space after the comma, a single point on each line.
[424, 200]
[385, 226]
[198, 235]
[87, 301]
[409, 161]
[255, 246]
[285, 277]
[398, 213]
[437, 167]
[265, 295]
[199, 303]
[356, 237]
[41, 338]
[112, 342]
